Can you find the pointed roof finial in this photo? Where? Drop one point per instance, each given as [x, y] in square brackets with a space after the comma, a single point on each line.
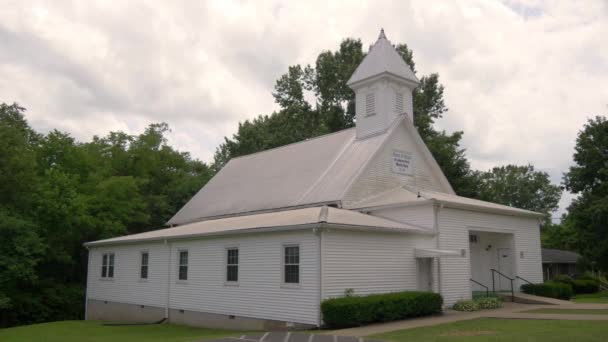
[382, 35]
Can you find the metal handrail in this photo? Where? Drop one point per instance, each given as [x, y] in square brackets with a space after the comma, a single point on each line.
[480, 284]
[505, 276]
[524, 279]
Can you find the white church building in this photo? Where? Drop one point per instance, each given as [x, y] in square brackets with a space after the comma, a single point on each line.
[274, 233]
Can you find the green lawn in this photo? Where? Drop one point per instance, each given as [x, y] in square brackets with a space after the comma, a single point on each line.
[570, 311]
[489, 329]
[90, 331]
[600, 297]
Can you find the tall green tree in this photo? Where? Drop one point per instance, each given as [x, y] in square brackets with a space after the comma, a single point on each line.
[333, 109]
[521, 187]
[57, 193]
[588, 213]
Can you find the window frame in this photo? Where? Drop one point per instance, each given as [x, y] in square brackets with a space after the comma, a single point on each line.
[141, 265]
[284, 265]
[179, 265]
[107, 266]
[227, 265]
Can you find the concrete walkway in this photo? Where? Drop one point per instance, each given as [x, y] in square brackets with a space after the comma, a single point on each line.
[509, 310]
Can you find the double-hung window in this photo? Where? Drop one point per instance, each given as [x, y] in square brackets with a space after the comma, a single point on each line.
[291, 264]
[232, 265]
[107, 265]
[183, 266]
[143, 270]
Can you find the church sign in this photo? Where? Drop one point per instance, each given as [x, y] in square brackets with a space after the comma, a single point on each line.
[402, 162]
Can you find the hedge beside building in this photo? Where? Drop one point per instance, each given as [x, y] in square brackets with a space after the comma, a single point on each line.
[549, 289]
[360, 310]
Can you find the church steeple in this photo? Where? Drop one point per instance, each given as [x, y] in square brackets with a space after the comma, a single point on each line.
[383, 85]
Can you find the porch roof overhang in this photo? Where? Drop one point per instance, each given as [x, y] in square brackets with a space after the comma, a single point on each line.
[435, 253]
[305, 218]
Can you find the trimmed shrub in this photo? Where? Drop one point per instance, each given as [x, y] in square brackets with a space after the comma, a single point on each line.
[360, 310]
[466, 305]
[489, 303]
[563, 278]
[586, 286]
[587, 276]
[549, 289]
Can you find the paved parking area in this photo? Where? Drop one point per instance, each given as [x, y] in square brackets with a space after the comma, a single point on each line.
[292, 337]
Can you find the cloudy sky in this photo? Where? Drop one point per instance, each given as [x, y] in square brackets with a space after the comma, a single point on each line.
[521, 77]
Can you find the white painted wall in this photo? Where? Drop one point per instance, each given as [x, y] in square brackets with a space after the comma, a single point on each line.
[454, 226]
[260, 292]
[379, 176]
[420, 215]
[126, 286]
[369, 262]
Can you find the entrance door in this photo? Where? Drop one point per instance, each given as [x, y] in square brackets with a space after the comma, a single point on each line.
[505, 266]
[425, 274]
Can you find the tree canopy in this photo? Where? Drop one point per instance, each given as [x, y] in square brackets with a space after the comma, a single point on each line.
[57, 193]
[520, 187]
[333, 109]
[588, 177]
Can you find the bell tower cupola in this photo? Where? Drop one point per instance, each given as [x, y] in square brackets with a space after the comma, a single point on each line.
[383, 84]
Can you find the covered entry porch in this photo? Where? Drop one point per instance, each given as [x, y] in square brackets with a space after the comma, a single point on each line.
[492, 262]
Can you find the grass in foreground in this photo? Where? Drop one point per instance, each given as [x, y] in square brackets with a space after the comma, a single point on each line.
[91, 331]
[570, 311]
[490, 329]
[600, 297]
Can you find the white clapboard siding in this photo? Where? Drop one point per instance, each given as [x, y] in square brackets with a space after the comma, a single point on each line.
[454, 225]
[419, 215]
[367, 262]
[260, 292]
[379, 176]
[126, 286]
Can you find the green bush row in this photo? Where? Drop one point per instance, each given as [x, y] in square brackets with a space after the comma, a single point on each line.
[478, 304]
[360, 310]
[549, 289]
[584, 284]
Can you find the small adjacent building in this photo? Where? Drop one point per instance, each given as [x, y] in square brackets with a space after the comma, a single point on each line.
[364, 210]
[557, 262]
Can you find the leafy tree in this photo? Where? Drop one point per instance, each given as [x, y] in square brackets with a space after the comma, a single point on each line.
[334, 109]
[521, 187]
[57, 193]
[588, 213]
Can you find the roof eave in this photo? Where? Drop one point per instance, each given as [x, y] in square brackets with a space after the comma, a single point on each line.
[197, 235]
[357, 82]
[508, 212]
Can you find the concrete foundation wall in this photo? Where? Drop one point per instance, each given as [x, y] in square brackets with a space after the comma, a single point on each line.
[123, 312]
[100, 310]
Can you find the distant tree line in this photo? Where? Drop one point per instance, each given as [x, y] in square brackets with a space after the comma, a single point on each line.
[57, 193]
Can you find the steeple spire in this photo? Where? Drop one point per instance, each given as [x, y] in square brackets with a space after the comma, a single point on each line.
[382, 35]
[383, 85]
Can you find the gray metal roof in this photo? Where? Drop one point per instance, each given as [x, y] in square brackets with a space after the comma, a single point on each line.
[272, 221]
[382, 58]
[315, 171]
[406, 195]
[558, 256]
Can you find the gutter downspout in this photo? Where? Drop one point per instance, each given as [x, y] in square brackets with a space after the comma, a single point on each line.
[168, 280]
[86, 289]
[319, 231]
[436, 209]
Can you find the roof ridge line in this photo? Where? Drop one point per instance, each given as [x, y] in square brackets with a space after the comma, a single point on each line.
[293, 143]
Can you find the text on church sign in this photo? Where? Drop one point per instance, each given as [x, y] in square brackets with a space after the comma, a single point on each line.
[402, 162]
